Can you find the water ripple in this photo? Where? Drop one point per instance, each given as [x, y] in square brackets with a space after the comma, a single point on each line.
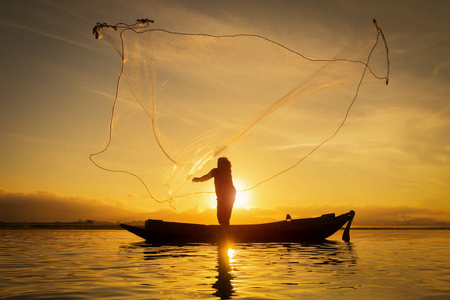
[46, 264]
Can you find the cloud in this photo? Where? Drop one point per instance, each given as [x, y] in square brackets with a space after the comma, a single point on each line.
[45, 206]
[49, 207]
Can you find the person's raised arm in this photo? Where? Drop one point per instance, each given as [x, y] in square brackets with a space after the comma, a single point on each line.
[204, 177]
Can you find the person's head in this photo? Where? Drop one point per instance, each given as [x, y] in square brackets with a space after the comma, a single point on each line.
[223, 162]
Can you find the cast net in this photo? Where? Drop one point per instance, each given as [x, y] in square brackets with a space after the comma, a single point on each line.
[183, 100]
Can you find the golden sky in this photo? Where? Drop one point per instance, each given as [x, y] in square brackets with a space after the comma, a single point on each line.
[58, 85]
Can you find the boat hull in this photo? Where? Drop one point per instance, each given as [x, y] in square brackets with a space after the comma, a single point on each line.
[297, 230]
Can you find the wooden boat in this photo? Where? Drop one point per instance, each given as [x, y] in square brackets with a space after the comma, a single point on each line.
[295, 230]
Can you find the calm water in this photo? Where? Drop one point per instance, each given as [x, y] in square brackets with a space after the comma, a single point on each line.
[377, 264]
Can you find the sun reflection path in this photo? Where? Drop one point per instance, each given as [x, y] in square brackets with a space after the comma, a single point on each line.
[223, 285]
[231, 253]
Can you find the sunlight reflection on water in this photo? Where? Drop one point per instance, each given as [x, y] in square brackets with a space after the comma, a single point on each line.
[377, 264]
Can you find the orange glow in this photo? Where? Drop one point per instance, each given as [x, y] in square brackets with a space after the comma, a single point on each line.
[390, 162]
[243, 197]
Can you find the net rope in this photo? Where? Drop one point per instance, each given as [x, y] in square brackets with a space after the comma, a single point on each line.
[149, 51]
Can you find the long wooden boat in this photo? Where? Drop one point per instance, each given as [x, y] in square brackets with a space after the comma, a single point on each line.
[289, 230]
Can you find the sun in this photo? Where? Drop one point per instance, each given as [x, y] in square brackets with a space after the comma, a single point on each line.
[243, 197]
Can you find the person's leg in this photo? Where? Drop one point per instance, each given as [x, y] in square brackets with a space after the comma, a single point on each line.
[222, 212]
[224, 209]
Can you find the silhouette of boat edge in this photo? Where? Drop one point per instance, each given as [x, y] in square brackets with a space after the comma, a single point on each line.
[289, 230]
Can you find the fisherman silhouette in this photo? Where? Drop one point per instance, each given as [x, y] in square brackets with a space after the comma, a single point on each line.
[225, 190]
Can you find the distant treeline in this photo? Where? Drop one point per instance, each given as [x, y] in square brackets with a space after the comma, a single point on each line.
[103, 225]
[81, 225]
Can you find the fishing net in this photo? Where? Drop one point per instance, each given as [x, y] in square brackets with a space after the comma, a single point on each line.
[183, 100]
